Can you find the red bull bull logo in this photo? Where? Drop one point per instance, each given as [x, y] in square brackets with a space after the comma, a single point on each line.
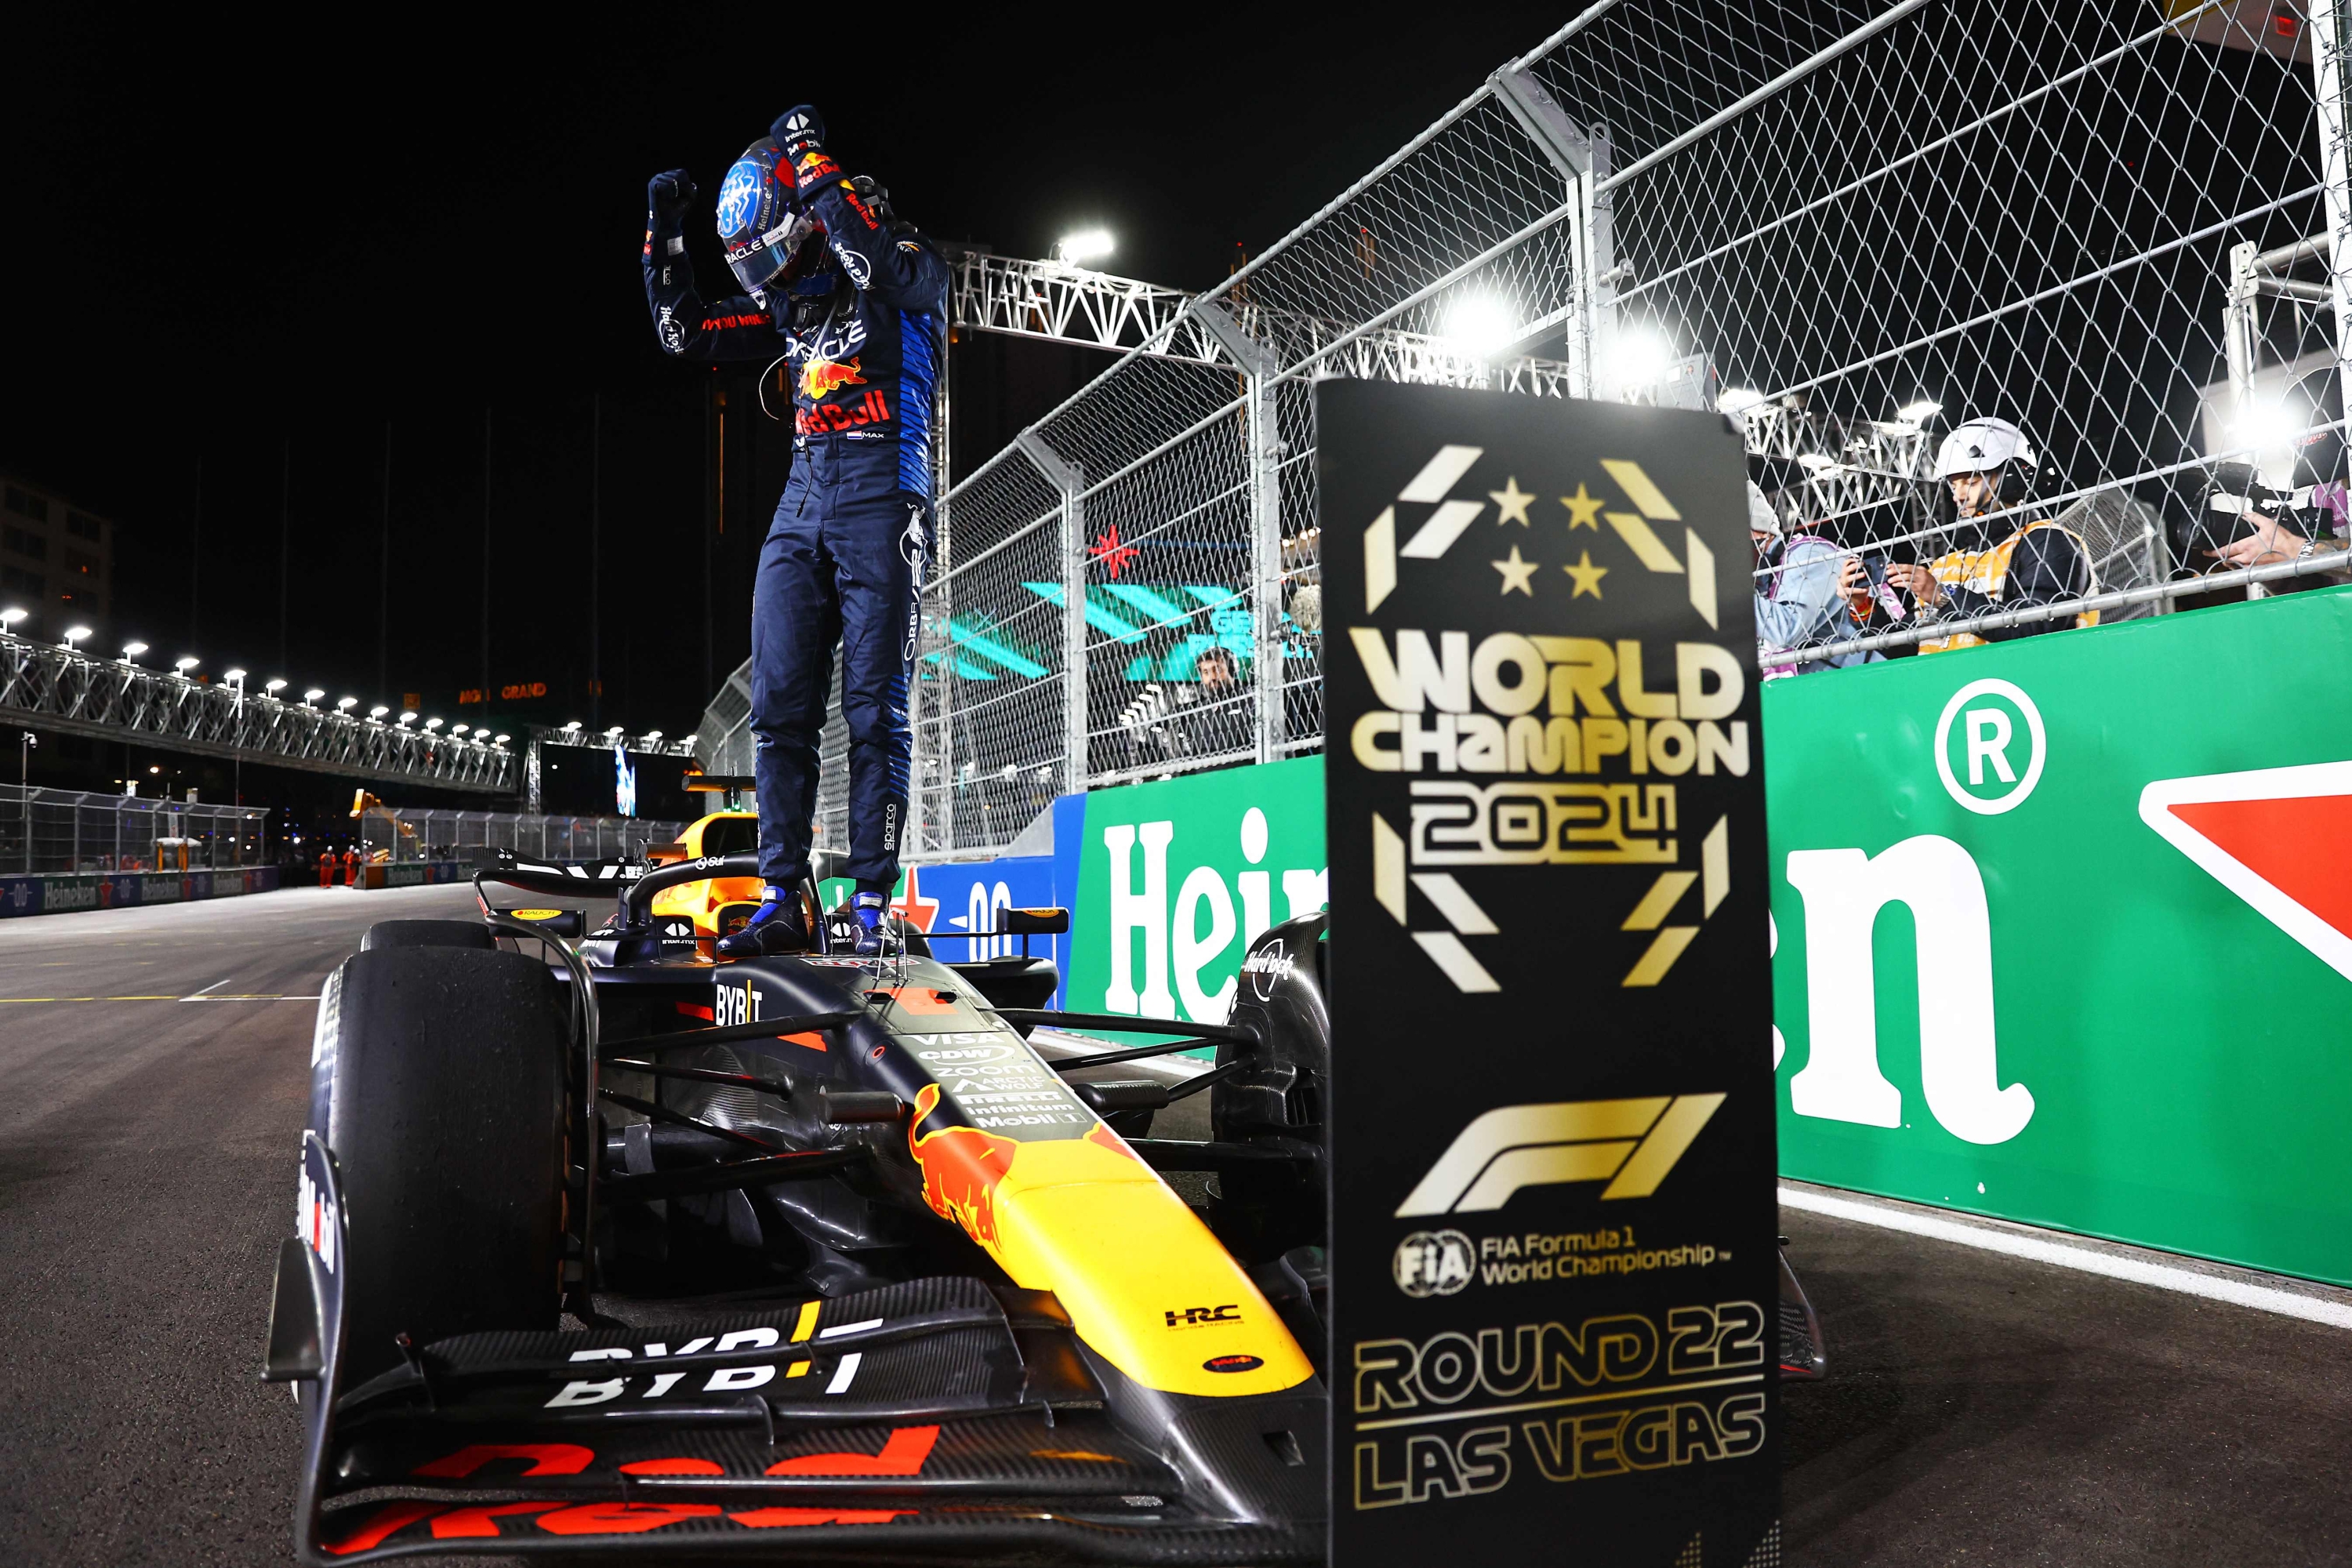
[822, 377]
[962, 1168]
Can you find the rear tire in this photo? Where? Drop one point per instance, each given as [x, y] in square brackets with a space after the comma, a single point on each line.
[444, 1102]
[427, 934]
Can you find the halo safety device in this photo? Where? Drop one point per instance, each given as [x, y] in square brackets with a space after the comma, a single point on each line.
[767, 242]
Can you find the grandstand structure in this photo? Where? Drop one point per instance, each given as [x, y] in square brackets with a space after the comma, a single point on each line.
[1848, 224]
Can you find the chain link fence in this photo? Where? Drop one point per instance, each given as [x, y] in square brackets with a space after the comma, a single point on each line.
[59, 830]
[1851, 226]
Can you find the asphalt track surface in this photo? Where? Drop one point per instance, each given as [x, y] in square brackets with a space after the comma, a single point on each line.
[1981, 1409]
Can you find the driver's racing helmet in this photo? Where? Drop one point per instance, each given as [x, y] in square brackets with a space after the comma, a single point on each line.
[768, 244]
[1995, 447]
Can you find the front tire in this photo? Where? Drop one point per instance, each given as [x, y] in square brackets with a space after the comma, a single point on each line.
[439, 1081]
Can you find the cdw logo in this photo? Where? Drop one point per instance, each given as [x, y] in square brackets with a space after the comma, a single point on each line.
[1631, 1144]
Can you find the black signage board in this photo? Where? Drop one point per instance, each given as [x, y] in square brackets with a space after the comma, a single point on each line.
[1556, 1280]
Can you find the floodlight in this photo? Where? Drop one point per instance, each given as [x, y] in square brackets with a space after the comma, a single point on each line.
[185, 663]
[1086, 245]
[651, 736]
[1480, 325]
[131, 651]
[501, 739]
[1640, 358]
[274, 685]
[432, 723]
[572, 728]
[75, 634]
[456, 729]
[344, 704]
[1920, 413]
[235, 676]
[10, 616]
[1738, 400]
[378, 711]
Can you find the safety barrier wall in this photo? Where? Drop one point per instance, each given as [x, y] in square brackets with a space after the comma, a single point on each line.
[2063, 929]
[50, 895]
[2111, 224]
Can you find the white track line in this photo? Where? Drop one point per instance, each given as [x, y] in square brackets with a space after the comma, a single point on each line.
[2084, 1259]
[214, 986]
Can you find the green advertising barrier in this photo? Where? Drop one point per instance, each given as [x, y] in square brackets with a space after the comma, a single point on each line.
[2060, 931]
[1175, 879]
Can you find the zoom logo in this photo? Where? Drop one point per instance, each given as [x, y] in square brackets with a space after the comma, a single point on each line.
[1631, 1144]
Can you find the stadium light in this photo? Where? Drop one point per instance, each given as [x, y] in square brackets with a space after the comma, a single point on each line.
[1086, 245]
[75, 634]
[1640, 358]
[235, 677]
[378, 711]
[456, 729]
[274, 685]
[1738, 400]
[1479, 325]
[10, 616]
[1920, 413]
[408, 715]
[572, 728]
[613, 732]
[432, 723]
[651, 736]
[131, 651]
[185, 662]
[344, 704]
[501, 739]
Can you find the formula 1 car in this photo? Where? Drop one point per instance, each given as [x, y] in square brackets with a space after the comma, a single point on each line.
[859, 1269]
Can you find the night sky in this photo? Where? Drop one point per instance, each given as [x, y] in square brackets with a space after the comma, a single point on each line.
[228, 247]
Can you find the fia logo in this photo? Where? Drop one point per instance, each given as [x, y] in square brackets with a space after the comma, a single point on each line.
[1431, 1263]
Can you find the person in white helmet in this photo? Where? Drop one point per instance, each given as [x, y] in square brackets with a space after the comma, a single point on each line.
[1798, 593]
[2000, 558]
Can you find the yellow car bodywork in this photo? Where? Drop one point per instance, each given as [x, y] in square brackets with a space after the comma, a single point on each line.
[721, 832]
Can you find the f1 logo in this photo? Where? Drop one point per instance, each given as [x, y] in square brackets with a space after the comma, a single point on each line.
[1631, 1144]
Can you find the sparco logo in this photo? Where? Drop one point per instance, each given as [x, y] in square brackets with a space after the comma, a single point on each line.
[1433, 1263]
[1631, 1144]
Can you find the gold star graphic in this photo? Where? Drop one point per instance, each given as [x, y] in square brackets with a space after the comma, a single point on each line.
[1518, 573]
[1588, 576]
[1511, 502]
[1584, 508]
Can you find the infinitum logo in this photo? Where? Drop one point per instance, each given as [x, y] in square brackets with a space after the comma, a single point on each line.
[1631, 1144]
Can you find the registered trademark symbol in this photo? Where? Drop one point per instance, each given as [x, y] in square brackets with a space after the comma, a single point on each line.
[1989, 747]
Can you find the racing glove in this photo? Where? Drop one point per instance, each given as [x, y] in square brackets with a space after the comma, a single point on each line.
[668, 197]
[800, 134]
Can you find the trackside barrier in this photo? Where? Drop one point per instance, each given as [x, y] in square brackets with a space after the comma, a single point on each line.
[413, 874]
[49, 895]
[2063, 928]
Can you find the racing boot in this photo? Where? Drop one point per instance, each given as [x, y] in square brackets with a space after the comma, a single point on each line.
[779, 926]
[874, 936]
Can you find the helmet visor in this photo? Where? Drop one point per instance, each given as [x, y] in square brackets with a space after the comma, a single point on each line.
[769, 260]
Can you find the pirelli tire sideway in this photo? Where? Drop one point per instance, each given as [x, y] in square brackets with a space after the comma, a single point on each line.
[428, 933]
[438, 1077]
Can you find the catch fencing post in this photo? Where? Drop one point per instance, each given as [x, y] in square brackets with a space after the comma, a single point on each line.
[1582, 156]
[2331, 54]
[1071, 481]
[1262, 459]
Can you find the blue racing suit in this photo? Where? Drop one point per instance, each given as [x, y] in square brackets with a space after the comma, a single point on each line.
[866, 340]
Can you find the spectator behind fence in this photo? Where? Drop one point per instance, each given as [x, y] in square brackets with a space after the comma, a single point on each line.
[1168, 721]
[1989, 466]
[1799, 603]
[2249, 523]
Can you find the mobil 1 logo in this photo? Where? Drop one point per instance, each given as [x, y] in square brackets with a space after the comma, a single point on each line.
[1553, 1148]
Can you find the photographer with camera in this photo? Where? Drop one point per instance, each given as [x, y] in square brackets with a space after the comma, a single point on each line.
[1989, 466]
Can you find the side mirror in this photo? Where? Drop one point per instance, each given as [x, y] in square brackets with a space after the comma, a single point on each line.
[554, 923]
[1036, 922]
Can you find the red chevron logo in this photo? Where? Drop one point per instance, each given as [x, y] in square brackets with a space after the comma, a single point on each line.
[2279, 838]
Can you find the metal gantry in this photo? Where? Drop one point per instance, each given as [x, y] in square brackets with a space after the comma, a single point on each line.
[58, 690]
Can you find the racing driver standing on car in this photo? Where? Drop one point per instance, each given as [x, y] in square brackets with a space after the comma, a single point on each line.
[858, 301]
